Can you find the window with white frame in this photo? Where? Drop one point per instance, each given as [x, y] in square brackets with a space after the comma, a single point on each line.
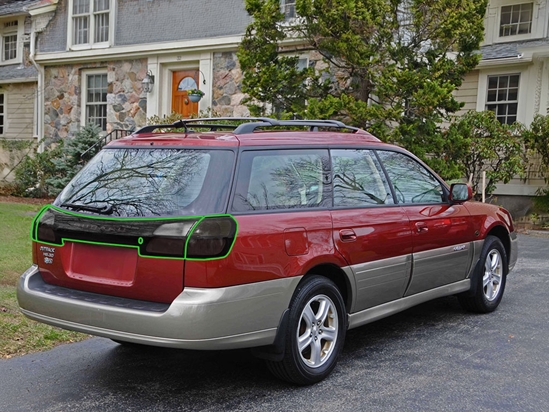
[2, 111]
[516, 19]
[9, 33]
[95, 98]
[502, 97]
[287, 7]
[91, 22]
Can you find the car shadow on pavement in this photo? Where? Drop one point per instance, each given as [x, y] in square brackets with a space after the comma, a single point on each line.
[221, 377]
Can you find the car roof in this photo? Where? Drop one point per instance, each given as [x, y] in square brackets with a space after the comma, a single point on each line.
[249, 132]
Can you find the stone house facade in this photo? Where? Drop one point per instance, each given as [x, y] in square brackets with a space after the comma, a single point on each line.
[94, 55]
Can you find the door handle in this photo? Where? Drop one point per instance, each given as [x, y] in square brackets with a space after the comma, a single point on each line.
[347, 235]
[422, 227]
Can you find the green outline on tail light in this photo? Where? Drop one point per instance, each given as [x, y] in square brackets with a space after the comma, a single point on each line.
[199, 219]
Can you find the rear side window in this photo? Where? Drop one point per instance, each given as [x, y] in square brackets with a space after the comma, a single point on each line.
[358, 179]
[412, 182]
[282, 179]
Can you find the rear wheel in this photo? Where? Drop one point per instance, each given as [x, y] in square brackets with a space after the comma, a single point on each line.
[315, 334]
[490, 277]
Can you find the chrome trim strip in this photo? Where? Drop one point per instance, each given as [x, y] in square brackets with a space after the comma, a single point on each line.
[379, 281]
[477, 250]
[387, 309]
[199, 318]
[514, 250]
[440, 266]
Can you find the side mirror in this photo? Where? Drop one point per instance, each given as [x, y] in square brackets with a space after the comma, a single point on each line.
[460, 192]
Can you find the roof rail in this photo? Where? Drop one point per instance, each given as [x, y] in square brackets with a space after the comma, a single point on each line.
[182, 124]
[246, 124]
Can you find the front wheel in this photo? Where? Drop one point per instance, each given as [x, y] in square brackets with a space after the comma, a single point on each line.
[490, 277]
[315, 334]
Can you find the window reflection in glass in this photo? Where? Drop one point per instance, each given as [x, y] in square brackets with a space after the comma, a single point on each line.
[153, 182]
[412, 182]
[358, 179]
[282, 180]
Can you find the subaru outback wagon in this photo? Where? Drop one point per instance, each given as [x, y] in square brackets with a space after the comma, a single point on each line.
[272, 235]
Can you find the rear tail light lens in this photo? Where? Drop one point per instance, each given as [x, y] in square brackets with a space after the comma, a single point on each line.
[169, 239]
[45, 227]
[213, 237]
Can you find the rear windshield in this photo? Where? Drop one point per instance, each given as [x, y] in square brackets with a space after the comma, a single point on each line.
[151, 182]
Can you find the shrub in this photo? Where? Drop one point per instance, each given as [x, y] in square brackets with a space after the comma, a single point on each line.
[32, 173]
[70, 160]
[46, 173]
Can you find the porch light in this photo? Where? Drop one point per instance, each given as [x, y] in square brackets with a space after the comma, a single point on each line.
[148, 82]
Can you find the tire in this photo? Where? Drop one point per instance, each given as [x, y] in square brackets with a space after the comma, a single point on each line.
[315, 333]
[490, 277]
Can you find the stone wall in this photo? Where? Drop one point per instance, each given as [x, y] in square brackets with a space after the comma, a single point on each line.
[126, 103]
[227, 86]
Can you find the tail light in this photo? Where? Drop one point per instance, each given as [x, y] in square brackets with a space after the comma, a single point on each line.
[168, 239]
[179, 238]
[213, 237]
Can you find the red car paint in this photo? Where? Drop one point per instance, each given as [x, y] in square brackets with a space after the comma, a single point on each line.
[270, 245]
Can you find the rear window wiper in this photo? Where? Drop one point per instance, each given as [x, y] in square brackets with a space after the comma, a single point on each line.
[105, 210]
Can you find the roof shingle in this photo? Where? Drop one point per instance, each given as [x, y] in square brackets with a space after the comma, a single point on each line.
[8, 7]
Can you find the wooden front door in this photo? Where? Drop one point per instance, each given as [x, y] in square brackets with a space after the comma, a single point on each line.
[181, 82]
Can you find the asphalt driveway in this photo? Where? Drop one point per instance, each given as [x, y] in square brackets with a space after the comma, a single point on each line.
[434, 357]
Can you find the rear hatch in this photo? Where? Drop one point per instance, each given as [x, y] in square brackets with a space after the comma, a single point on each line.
[126, 224]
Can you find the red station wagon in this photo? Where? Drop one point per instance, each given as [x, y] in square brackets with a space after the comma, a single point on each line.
[273, 235]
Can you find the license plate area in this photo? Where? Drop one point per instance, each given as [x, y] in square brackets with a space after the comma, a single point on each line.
[106, 265]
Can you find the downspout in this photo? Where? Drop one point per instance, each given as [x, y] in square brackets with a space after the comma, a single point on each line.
[39, 92]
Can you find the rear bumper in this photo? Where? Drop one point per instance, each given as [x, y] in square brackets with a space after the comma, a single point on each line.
[218, 318]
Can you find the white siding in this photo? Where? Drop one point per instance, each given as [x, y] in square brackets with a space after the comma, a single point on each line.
[19, 118]
[467, 93]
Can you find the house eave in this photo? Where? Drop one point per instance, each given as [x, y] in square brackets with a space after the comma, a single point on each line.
[505, 61]
[42, 7]
[141, 50]
[19, 80]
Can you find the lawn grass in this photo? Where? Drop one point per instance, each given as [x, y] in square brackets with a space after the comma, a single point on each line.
[19, 335]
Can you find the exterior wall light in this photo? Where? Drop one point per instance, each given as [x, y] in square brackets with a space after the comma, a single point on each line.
[148, 82]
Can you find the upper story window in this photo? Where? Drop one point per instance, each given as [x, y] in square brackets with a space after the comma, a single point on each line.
[516, 19]
[502, 97]
[91, 22]
[9, 34]
[287, 7]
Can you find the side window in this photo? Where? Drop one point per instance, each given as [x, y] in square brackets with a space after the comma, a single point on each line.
[94, 98]
[358, 179]
[282, 179]
[412, 182]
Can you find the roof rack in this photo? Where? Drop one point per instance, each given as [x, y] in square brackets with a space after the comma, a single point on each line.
[251, 124]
